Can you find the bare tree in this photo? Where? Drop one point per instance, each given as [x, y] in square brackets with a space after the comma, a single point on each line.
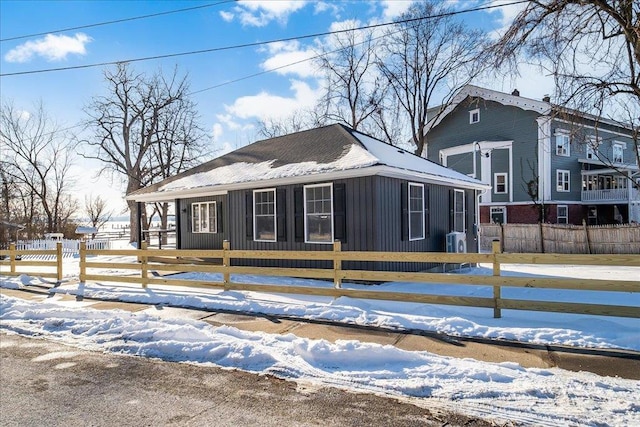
[427, 61]
[296, 122]
[590, 47]
[36, 164]
[135, 126]
[96, 210]
[354, 87]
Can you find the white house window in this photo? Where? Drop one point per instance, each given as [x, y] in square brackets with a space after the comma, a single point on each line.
[204, 218]
[474, 116]
[562, 180]
[563, 214]
[416, 211]
[562, 144]
[499, 214]
[318, 213]
[618, 156]
[592, 148]
[264, 215]
[500, 183]
[459, 211]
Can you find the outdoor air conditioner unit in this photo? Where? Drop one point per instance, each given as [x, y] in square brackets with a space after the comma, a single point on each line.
[457, 242]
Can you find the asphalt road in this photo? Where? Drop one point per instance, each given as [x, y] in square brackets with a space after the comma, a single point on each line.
[45, 383]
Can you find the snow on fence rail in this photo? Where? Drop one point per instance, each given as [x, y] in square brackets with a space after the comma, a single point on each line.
[155, 260]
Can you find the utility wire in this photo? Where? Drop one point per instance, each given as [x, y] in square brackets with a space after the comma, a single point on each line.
[134, 18]
[255, 44]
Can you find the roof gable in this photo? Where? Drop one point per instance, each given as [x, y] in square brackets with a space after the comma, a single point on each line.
[301, 155]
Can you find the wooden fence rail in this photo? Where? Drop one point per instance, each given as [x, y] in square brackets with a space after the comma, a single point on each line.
[143, 266]
[15, 261]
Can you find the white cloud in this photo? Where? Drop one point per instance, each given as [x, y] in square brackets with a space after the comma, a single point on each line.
[265, 106]
[226, 16]
[285, 53]
[259, 13]
[51, 48]
[506, 13]
[394, 8]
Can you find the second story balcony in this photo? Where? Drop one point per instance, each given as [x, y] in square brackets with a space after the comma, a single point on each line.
[612, 195]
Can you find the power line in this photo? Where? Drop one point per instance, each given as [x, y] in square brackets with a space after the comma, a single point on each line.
[134, 18]
[255, 44]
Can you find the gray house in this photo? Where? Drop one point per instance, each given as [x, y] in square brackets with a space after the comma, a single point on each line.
[543, 163]
[305, 190]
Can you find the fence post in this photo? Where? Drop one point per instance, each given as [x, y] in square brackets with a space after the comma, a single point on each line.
[226, 276]
[12, 256]
[83, 261]
[59, 259]
[586, 233]
[497, 312]
[337, 264]
[144, 269]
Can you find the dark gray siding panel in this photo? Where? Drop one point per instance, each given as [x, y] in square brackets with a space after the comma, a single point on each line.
[189, 240]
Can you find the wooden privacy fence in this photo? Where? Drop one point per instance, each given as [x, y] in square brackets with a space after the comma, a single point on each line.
[562, 238]
[143, 266]
[13, 258]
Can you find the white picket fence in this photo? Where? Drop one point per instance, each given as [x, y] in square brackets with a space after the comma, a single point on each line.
[70, 247]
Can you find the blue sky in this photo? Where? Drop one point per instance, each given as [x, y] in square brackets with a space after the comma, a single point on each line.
[229, 112]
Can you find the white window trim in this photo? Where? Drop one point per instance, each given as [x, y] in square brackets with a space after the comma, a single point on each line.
[613, 151]
[592, 143]
[464, 210]
[558, 214]
[304, 199]
[506, 183]
[568, 147]
[421, 186]
[568, 175]
[502, 209]
[215, 222]
[471, 114]
[255, 216]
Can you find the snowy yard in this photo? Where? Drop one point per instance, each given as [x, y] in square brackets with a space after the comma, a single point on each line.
[501, 392]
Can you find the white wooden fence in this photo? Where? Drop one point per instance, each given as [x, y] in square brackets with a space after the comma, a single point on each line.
[70, 247]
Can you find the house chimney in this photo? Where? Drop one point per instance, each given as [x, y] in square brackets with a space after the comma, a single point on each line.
[515, 92]
[546, 98]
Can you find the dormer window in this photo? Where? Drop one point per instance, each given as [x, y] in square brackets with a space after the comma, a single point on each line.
[474, 116]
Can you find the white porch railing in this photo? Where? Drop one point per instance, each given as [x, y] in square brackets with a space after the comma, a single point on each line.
[69, 246]
[611, 195]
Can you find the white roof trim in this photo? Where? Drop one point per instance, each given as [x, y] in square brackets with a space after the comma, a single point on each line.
[541, 107]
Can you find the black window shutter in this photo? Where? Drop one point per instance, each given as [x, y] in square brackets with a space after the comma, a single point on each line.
[248, 214]
[427, 221]
[219, 216]
[281, 214]
[340, 212]
[404, 212]
[298, 213]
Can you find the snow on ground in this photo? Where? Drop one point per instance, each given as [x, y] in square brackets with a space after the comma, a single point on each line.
[502, 391]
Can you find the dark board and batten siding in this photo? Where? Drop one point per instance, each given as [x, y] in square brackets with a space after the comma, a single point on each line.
[368, 216]
[190, 240]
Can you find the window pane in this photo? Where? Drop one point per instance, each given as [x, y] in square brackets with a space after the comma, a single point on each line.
[319, 228]
[417, 225]
[265, 228]
[212, 218]
[196, 218]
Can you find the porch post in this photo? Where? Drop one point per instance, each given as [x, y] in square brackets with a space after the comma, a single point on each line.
[139, 221]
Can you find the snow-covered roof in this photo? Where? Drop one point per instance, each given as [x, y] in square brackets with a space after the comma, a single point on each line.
[329, 152]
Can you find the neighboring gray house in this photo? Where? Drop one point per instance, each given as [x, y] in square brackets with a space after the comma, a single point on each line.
[542, 162]
[304, 190]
